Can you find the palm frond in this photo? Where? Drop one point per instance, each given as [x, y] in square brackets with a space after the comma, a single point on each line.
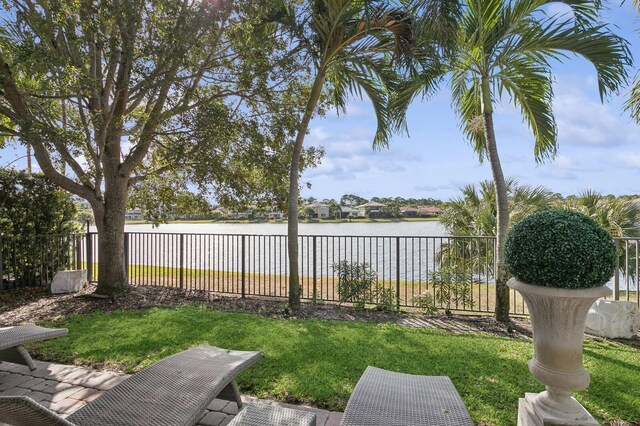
[530, 87]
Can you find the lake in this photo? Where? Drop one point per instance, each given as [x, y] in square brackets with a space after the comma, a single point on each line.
[395, 229]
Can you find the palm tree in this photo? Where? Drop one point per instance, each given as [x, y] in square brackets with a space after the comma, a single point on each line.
[619, 216]
[473, 213]
[504, 50]
[351, 45]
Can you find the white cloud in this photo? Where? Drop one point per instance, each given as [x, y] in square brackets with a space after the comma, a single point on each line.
[586, 122]
[567, 168]
[350, 155]
[627, 159]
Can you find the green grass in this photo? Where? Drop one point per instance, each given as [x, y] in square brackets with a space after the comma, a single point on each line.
[319, 362]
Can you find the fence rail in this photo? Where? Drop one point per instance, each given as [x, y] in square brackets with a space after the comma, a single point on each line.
[257, 265]
[27, 261]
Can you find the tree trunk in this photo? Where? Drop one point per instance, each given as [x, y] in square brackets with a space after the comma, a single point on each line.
[29, 168]
[294, 171]
[502, 205]
[112, 273]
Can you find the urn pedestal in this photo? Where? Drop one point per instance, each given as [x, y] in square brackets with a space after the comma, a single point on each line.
[558, 318]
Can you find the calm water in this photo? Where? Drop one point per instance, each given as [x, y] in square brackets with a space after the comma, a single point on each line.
[405, 250]
[401, 229]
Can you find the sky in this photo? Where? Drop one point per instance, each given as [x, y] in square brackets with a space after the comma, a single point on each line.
[599, 145]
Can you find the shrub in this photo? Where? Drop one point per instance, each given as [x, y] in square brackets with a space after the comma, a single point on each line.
[32, 211]
[358, 284]
[425, 303]
[384, 298]
[355, 282]
[452, 287]
[556, 248]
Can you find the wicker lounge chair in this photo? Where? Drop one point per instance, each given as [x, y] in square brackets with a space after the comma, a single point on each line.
[272, 415]
[12, 339]
[173, 391]
[395, 399]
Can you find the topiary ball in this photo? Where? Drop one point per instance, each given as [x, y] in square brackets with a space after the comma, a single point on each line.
[558, 248]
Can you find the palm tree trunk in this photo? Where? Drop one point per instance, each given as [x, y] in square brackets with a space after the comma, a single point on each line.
[502, 205]
[292, 220]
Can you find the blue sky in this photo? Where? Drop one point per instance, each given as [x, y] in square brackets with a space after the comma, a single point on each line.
[599, 145]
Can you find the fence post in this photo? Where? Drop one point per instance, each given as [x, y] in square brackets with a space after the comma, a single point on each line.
[1, 266]
[616, 280]
[78, 243]
[181, 261]
[89, 255]
[243, 266]
[315, 287]
[398, 272]
[126, 255]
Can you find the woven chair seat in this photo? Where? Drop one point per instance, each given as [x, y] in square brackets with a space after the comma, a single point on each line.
[173, 391]
[12, 339]
[272, 415]
[388, 398]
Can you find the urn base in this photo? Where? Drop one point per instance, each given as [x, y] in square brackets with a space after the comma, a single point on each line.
[531, 412]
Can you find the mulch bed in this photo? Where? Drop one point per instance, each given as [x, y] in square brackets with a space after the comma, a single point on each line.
[33, 305]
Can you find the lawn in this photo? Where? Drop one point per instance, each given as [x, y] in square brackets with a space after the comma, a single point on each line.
[319, 362]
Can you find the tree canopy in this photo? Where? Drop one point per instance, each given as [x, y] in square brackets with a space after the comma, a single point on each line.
[119, 93]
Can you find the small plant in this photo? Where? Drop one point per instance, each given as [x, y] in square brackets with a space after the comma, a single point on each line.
[425, 303]
[355, 282]
[384, 298]
[452, 287]
[557, 248]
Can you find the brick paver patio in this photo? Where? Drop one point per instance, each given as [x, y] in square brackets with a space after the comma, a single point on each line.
[66, 388]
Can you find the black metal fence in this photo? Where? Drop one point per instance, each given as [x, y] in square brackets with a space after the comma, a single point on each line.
[257, 265]
[33, 260]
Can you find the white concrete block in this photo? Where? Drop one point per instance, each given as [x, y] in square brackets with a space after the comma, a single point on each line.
[68, 281]
[613, 318]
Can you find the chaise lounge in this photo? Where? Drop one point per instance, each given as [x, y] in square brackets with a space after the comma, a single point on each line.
[12, 339]
[388, 398]
[173, 391]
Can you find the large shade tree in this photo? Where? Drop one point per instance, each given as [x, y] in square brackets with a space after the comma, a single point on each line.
[120, 92]
[504, 51]
[350, 46]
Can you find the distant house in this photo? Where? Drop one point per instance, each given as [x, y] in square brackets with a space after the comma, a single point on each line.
[370, 209]
[320, 210]
[221, 212]
[429, 211]
[240, 214]
[274, 214]
[133, 214]
[409, 211]
[347, 211]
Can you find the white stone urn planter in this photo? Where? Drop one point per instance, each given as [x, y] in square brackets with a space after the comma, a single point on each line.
[558, 318]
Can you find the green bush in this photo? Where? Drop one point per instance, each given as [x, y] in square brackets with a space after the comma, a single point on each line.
[557, 248]
[36, 219]
[384, 298]
[355, 282]
[425, 303]
[358, 284]
[452, 287]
